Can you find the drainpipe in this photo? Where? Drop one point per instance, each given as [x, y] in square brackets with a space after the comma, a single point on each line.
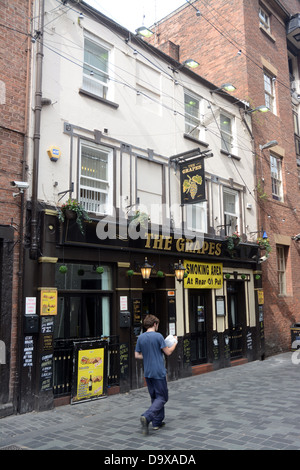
[37, 128]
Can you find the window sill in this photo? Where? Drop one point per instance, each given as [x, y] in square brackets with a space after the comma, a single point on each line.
[269, 35]
[230, 154]
[98, 98]
[193, 139]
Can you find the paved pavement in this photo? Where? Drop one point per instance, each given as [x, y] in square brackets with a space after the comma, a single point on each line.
[255, 406]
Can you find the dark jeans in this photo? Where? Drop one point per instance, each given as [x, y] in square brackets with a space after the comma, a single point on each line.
[158, 391]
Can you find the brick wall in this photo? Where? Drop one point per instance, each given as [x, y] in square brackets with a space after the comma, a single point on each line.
[214, 40]
[13, 65]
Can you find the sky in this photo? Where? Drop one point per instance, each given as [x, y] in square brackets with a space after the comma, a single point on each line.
[135, 13]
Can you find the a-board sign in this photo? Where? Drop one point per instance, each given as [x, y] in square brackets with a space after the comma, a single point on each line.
[89, 371]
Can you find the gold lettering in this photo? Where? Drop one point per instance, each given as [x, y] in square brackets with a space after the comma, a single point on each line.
[205, 247]
[218, 249]
[147, 244]
[211, 248]
[168, 243]
[180, 244]
[158, 242]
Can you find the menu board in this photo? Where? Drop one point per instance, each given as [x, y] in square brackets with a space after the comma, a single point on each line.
[46, 372]
[90, 371]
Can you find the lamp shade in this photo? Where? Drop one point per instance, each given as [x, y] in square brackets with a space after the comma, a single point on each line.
[179, 271]
[146, 270]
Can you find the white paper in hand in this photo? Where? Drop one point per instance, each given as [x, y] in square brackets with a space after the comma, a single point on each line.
[170, 340]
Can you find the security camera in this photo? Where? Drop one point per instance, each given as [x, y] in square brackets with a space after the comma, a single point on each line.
[20, 184]
[262, 259]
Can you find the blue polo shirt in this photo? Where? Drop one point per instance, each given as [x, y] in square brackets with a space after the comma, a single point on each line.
[150, 344]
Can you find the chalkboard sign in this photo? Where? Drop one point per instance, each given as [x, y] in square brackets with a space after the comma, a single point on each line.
[124, 361]
[47, 324]
[137, 310]
[46, 372]
[226, 346]
[216, 353]
[186, 351]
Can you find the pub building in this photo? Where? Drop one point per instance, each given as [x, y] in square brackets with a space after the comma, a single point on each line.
[160, 234]
[215, 310]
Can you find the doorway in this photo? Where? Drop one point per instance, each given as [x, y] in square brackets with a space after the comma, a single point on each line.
[236, 317]
[198, 327]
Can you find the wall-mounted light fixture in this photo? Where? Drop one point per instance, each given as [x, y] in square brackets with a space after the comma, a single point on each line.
[143, 31]
[226, 86]
[146, 270]
[268, 145]
[262, 109]
[179, 271]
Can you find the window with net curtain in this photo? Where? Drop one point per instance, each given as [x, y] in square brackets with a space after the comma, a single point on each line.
[95, 181]
[95, 67]
[226, 133]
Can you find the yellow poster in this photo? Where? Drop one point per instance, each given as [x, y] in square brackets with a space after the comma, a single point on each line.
[203, 275]
[48, 302]
[90, 373]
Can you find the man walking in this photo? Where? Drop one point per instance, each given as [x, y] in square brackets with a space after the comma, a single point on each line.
[150, 348]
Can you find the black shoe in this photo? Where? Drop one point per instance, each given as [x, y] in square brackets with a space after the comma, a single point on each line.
[155, 428]
[145, 425]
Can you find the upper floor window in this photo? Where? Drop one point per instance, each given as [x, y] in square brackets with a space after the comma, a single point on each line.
[269, 91]
[95, 67]
[231, 211]
[276, 178]
[226, 124]
[197, 217]
[95, 178]
[264, 19]
[192, 115]
[281, 268]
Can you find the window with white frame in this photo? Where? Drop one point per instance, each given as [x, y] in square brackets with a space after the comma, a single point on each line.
[95, 178]
[95, 67]
[269, 91]
[196, 215]
[149, 188]
[231, 210]
[226, 126]
[281, 269]
[276, 178]
[192, 114]
[264, 19]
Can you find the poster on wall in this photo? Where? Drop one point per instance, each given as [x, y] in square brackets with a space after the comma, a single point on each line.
[90, 371]
[48, 301]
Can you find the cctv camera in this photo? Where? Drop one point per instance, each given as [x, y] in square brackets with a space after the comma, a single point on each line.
[20, 184]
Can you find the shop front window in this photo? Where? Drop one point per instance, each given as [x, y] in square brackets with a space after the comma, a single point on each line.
[84, 302]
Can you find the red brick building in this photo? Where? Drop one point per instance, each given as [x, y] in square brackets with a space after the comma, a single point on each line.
[255, 46]
[15, 46]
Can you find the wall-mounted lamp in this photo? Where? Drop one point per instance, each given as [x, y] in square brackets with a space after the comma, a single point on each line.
[179, 271]
[262, 109]
[145, 32]
[268, 145]
[226, 87]
[146, 270]
[191, 63]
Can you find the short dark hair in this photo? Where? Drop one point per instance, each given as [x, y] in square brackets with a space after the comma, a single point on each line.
[149, 321]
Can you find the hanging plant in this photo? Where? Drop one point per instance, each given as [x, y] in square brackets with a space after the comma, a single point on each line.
[227, 276]
[73, 209]
[233, 241]
[80, 272]
[160, 274]
[257, 277]
[130, 272]
[243, 276]
[99, 270]
[264, 244]
[63, 269]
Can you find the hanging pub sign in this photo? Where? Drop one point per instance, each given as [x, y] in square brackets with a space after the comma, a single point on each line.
[192, 181]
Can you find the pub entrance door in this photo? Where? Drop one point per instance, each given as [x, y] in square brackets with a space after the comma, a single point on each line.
[236, 317]
[198, 315]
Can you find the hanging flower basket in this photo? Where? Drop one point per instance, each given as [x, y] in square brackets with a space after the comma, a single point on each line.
[72, 209]
[264, 244]
[99, 270]
[233, 241]
[63, 269]
[160, 274]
